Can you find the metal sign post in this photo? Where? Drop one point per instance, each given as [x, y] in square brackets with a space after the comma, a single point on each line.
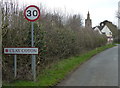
[33, 56]
[24, 51]
[15, 66]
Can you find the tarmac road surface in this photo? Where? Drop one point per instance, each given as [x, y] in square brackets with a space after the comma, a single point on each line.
[100, 70]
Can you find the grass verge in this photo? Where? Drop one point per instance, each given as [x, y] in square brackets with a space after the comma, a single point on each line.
[51, 76]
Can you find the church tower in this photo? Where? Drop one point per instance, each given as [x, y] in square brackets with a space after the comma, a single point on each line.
[88, 22]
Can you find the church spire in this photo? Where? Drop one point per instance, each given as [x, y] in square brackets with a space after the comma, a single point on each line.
[88, 15]
[88, 21]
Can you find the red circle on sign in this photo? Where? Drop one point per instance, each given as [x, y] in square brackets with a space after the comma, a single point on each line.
[6, 50]
[37, 10]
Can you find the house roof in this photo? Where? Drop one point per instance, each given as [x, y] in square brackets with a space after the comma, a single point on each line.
[110, 25]
[100, 27]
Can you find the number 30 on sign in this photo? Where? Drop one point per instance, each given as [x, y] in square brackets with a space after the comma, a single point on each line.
[32, 13]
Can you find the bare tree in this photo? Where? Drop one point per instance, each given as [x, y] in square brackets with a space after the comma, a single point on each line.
[118, 15]
[55, 39]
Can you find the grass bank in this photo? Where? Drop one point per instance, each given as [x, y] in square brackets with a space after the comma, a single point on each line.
[51, 76]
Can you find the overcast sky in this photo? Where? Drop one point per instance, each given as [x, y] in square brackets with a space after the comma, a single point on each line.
[100, 10]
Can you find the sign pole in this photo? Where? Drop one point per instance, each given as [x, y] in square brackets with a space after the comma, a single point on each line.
[33, 56]
[15, 66]
[34, 67]
[32, 28]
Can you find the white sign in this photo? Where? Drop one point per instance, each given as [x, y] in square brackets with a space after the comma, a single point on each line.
[32, 13]
[20, 50]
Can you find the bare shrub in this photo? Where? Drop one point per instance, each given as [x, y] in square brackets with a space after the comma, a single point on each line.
[55, 38]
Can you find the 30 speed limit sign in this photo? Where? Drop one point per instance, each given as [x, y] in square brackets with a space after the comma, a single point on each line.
[32, 13]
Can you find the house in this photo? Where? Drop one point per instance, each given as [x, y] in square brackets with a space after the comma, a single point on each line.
[112, 28]
[107, 28]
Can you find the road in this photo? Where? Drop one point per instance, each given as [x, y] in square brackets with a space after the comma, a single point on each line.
[100, 70]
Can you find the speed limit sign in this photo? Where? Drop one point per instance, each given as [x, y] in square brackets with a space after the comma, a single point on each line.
[32, 13]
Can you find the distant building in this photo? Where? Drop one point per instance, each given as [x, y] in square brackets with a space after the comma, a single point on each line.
[107, 28]
[119, 12]
[88, 21]
[111, 26]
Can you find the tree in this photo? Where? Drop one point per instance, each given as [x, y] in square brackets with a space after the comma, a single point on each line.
[55, 39]
[118, 15]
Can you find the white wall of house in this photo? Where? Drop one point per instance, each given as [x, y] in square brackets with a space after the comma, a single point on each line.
[107, 31]
[97, 29]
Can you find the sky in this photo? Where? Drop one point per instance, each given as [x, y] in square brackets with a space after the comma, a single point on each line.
[100, 10]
